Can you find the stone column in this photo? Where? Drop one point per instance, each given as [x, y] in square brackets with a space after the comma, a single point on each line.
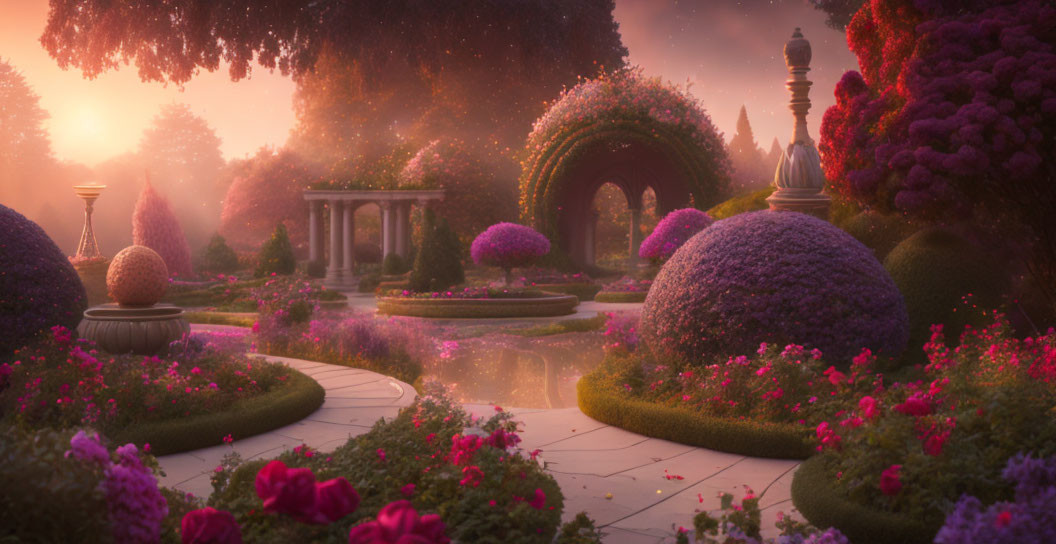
[799, 179]
[635, 237]
[315, 230]
[349, 237]
[403, 219]
[333, 271]
[387, 240]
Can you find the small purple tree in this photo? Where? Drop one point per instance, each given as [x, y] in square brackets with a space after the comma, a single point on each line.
[509, 245]
[155, 226]
[671, 232]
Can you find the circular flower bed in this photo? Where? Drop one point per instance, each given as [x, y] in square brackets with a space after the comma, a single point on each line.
[477, 303]
[189, 399]
[779, 277]
[39, 287]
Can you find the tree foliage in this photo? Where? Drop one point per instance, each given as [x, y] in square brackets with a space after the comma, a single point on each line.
[953, 116]
[24, 142]
[839, 12]
[276, 255]
[266, 189]
[154, 225]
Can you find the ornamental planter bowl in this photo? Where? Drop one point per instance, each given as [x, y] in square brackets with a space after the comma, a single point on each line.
[548, 305]
[142, 330]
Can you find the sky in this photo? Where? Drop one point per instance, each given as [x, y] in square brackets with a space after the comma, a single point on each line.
[729, 51]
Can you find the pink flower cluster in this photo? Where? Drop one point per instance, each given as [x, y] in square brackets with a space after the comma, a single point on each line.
[294, 491]
[509, 245]
[671, 232]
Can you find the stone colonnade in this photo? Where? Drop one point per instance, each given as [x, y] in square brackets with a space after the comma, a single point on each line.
[395, 226]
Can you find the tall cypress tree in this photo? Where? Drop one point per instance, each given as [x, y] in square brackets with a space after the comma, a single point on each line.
[438, 264]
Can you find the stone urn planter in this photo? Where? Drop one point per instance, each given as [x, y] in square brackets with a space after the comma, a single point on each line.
[137, 279]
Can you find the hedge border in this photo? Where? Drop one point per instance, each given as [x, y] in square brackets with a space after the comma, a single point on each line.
[680, 425]
[459, 308]
[297, 400]
[620, 297]
[585, 291]
[824, 506]
[233, 319]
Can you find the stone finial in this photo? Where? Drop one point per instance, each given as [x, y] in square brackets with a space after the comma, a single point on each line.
[799, 179]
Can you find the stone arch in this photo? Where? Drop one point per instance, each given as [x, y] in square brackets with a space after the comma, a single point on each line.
[622, 129]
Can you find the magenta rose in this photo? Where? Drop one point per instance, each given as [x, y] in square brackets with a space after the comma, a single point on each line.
[398, 522]
[890, 482]
[287, 490]
[915, 406]
[210, 526]
[334, 499]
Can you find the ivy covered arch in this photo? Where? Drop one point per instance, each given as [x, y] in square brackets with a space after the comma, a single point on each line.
[628, 130]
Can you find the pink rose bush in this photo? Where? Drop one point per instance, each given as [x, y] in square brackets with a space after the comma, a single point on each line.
[508, 246]
[294, 491]
[399, 523]
[914, 447]
[209, 526]
[671, 232]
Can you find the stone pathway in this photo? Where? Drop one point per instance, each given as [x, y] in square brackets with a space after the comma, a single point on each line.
[355, 399]
[589, 460]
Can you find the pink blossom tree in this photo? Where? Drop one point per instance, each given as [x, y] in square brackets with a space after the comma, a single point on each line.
[671, 232]
[155, 226]
[509, 245]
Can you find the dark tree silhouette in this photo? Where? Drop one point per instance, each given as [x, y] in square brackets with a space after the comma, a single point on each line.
[840, 12]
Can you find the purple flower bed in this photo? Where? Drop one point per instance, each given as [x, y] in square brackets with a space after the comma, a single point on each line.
[39, 288]
[781, 277]
[628, 285]
[671, 232]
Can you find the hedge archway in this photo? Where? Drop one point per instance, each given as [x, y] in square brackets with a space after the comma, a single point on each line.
[623, 128]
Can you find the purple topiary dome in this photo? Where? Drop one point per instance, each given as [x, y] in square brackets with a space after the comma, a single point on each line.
[778, 277]
[38, 286]
[509, 245]
[671, 232]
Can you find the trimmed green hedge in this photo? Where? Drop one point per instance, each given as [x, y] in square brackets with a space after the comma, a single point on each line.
[585, 324]
[583, 291]
[459, 308]
[824, 506]
[234, 319]
[749, 202]
[621, 296]
[301, 396]
[599, 401]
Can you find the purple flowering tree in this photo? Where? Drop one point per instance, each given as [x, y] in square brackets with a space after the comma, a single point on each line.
[155, 226]
[778, 277]
[671, 232]
[509, 245]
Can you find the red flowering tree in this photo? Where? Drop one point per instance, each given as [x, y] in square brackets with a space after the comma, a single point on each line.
[509, 245]
[155, 226]
[953, 116]
[268, 189]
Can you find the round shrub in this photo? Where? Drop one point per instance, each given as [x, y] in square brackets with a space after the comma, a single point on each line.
[879, 232]
[936, 269]
[137, 277]
[509, 245]
[393, 265]
[778, 277]
[671, 232]
[38, 286]
[218, 257]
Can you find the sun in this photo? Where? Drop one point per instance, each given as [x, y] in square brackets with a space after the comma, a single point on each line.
[89, 123]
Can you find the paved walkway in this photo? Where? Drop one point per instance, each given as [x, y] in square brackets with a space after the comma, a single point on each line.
[629, 484]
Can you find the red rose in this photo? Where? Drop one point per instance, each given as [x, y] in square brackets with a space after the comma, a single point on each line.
[286, 490]
[398, 522]
[209, 526]
[890, 484]
[334, 499]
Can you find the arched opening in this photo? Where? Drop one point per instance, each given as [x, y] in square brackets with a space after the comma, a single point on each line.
[612, 247]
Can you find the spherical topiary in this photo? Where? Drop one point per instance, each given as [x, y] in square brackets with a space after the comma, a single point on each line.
[671, 232]
[509, 245]
[137, 277]
[779, 277]
[38, 286]
[936, 269]
[878, 231]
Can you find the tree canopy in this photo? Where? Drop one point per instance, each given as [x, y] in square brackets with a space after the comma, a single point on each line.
[24, 143]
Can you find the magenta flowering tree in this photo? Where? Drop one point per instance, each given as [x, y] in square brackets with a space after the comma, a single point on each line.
[508, 246]
[953, 116]
[155, 226]
[671, 232]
